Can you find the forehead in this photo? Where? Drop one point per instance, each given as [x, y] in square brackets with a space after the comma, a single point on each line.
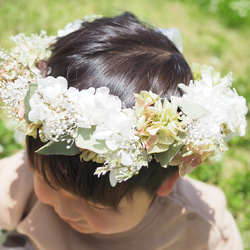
[69, 173]
[138, 199]
[105, 195]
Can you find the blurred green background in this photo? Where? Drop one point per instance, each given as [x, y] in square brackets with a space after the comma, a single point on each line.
[215, 32]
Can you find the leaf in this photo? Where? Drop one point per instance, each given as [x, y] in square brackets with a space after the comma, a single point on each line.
[86, 140]
[30, 93]
[58, 148]
[166, 157]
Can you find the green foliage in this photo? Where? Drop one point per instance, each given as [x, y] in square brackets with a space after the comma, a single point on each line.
[58, 148]
[237, 190]
[8, 143]
[210, 173]
[233, 13]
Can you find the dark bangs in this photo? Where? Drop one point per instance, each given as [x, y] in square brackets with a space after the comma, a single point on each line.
[77, 177]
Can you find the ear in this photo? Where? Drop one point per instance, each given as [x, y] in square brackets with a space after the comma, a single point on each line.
[167, 186]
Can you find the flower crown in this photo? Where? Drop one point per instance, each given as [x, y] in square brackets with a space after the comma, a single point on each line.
[94, 124]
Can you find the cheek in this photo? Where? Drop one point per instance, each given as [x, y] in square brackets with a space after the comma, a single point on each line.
[110, 223]
[104, 224]
[42, 192]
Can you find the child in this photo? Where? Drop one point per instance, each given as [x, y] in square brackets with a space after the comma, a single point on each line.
[104, 168]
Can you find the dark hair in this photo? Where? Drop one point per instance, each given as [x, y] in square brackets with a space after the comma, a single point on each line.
[126, 56]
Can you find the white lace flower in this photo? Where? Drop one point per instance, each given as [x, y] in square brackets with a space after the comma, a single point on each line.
[29, 50]
[217, 111]
[19, 68]
[173, 35]
[53, 106]
[71, 27]
[95, 105]
[116, 129]
[226, 108]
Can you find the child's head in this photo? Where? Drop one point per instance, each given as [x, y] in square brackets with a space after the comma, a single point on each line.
[98, 163]
[127, 57]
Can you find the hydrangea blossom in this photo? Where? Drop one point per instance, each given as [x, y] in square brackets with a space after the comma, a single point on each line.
[158, 124]
[224, 115]
[50, 107]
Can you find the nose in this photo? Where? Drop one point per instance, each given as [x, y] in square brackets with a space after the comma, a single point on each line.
[65, 212]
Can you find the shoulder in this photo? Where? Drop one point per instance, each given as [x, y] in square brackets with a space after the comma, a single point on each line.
[18, 158]
[207, 199]
[205, 208]
[11, 168]
[14, 171]
[15, 163]
[16, 185]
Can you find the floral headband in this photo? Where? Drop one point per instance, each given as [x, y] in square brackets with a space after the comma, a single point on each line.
[94, 124]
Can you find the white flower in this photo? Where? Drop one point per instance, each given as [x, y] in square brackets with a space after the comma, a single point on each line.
[53, 105]
[114, 125]
[29, 50]
[173, 35]
[69, 28]
[52, 87]
[76, 25]
[95, 106]
[224, 114]
[19, 68]
[48, 90]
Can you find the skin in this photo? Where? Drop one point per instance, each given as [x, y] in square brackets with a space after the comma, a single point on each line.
[86, 217]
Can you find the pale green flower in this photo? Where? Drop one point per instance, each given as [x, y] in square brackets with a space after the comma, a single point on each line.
[158, 124]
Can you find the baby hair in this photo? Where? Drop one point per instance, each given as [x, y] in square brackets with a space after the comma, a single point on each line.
[127, 56]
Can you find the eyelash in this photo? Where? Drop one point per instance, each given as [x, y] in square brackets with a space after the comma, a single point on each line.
[99, 208]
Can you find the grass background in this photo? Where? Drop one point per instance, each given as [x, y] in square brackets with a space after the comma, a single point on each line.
[215, 32]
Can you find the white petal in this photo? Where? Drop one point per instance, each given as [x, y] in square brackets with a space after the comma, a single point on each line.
[126, 159]
[102, 133]
[112, 144]
[112, 177]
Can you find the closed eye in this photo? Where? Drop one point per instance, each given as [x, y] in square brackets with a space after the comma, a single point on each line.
[100, 208]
